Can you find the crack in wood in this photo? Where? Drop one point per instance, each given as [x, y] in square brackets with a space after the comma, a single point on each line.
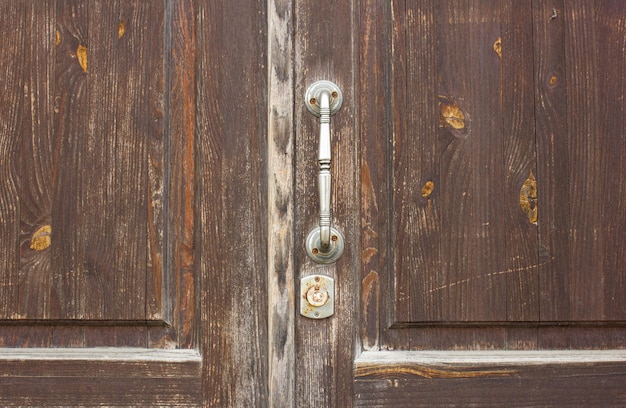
[488, 275]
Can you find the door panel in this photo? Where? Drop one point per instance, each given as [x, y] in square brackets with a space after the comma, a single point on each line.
[460, 162]
[496, 113]
[133, 203]
[462, 170]
[84, 192]
[484, 142]
[96, 306]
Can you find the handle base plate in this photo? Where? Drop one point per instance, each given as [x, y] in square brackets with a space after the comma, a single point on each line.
[313, 97]
[332, 253]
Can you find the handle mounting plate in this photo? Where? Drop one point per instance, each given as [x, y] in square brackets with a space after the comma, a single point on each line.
[313, 96]
[317, 253]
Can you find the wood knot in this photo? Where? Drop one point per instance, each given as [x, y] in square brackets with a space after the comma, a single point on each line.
[451, 116]
[427, 189]
[41, 239]
[528, 198]
[81, 55]
[497, 47]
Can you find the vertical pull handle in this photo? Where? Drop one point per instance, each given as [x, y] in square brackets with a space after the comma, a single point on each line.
[324, 243]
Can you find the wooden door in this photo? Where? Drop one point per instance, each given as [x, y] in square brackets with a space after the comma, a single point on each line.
[132, 198]
[158, 180]
[478, 163]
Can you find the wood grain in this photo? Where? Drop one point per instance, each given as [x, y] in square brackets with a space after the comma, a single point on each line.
[93, 157]
[374, 86]
[73, 378]
[281, 201]
[416, 170]
[587, 296]
[35, 163]
[70, 97]
[553, 160]
[323, 40]
[520, 156]
[611, 35]
[524, 379]
[12, 16]
[231, 234]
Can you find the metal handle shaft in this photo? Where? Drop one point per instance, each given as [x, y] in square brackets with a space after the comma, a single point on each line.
[325, 243]
[324, 179]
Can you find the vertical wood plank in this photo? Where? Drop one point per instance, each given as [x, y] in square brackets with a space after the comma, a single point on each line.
[375, 113]
[70, 128]
[281, 200]
[611, 42]
[518, 134]
[587, 290]
[180, 287]
[35, 165]
[472, 162]
[553, 161]
[232, 200]
[12, 15]
[123, 120]
[324, 49]
[456, 173]
[416, 164]
[397, 56]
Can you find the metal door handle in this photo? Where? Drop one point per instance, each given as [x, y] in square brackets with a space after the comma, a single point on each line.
[324, 243]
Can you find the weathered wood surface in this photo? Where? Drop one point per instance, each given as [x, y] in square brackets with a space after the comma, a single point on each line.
[91, 155]
[323, 49]
[489, 177]
[522, 93]
[281, 242]
[89, 377]
[491, 379]
[232, 200]
[97, 191]
[173, 132]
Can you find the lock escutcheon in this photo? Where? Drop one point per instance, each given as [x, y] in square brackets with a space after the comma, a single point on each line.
[317, 293]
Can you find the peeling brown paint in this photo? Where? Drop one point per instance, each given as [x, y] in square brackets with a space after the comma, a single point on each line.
[497, 47]
[121, 29]
[427, 189]
[528, 198]
[41, 239]
[81, 54]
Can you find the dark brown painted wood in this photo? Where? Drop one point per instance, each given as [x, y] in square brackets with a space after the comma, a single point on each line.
[123, 377]
[552, 158]
[34, 164]
[102, 152]
[492, 379]
[12, 17]
[137, 213]
[520, 156]
[451, 258]
[231, 233]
